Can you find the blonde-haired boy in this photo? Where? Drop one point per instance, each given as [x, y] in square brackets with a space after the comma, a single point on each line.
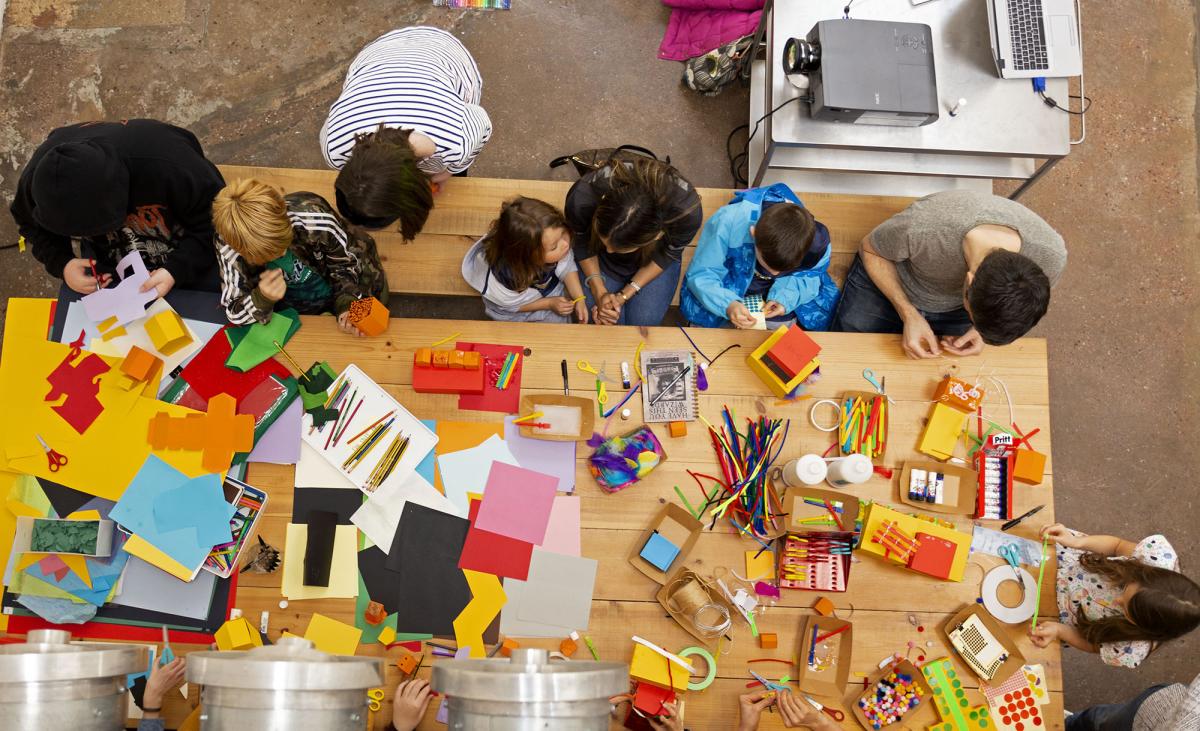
[292, 248]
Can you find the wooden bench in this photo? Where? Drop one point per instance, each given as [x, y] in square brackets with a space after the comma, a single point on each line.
[463, 212]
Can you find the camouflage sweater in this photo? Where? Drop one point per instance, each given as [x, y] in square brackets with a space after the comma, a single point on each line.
[340, 253]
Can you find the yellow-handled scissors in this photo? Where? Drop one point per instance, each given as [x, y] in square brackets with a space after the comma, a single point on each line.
[374, 699]
[601, 389]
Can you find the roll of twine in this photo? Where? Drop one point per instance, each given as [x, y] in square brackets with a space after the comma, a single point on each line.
[691, 600]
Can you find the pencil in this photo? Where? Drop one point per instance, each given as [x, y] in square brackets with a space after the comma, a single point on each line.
[366, 450]
[341, 414]
[370, 426]
[345, 426]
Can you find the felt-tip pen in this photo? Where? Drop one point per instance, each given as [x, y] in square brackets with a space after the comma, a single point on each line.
[566, 389]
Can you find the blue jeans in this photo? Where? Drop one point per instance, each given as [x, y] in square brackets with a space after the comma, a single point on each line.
[1112, 717]
[864, 309]
[647, 307]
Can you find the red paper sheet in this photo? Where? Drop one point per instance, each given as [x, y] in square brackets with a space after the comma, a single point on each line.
[208, 375]
[493, 399]
[934, 557]
[492, 553]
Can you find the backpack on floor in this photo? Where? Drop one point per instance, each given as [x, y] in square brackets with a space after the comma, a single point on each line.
[585, 161]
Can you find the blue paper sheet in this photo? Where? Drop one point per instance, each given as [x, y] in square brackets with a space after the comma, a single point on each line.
[427, 466]
[200, 504]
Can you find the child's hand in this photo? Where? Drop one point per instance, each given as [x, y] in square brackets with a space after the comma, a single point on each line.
[750, 708]
[608, 309]
[669, 721]
[272, 285]
[560, 305]
[346, 326]
[1062, 535]
[408, 707]
[581, 312]
[772, 309]
[1045, 634]
[739, 315]
[160, 280]
[78, 276]
[798, 712]
[162, 679]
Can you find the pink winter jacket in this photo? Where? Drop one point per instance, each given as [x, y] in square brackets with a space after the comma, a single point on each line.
[698, 26]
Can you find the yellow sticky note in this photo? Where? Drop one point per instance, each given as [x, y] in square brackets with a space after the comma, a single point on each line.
[760, 565]
[650, 667]
[387, 636]
[332, 636]
[343, 573]
[487, 600]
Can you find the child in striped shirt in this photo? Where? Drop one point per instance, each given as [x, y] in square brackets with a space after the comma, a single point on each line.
[292, 249]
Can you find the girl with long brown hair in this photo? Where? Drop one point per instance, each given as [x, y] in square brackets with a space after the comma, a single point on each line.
[523, 267]
[1118, 598]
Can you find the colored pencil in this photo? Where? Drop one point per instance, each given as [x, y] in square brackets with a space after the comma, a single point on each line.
[370, 426]
[345, 426]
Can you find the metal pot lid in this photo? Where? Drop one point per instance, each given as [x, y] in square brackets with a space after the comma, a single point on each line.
[49, 655]
[529, 676]
[292, 663]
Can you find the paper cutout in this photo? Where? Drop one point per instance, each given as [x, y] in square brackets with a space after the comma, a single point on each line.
[281, 442]
[123, 303]
[493, 399]
[143, 549]
[343, 579]
[256, 343]
[53, 565]
[559, 589]
[487, 600]
[511, 625]
[142, 368]
[425, 554]
[208, 376]
[219, 434]
[380, 515]
[198, 504]
[118, 342]
[382, 583]
[563, 528]
[491, 553]
[465, 471]
[332, 636]
[517, 503]
[236, 634]
[80, 384]
[542, 455]
[455, 436]
[760, 565]
[660, 552]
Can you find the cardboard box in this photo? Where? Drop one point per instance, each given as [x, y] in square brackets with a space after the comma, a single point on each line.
[23, 536]
[677, 526]
[715, 596]
[959, 394]
[904, 667]
[942, 431]
[877, 513]
[785, 359]
[831, 682]
[1029, 467]
[1015, 658]
[587, 416]
[647, 666]
[797, 509]
[887, 417]
[958, 491]
[369, 315]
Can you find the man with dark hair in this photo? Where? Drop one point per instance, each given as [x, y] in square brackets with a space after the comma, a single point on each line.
[968, 268]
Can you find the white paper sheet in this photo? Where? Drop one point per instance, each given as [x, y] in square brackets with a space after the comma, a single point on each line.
[380, 514]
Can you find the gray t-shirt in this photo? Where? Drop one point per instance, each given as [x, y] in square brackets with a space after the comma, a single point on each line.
[925, 241]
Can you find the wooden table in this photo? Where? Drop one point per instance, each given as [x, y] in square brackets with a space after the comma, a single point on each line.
[881, 596]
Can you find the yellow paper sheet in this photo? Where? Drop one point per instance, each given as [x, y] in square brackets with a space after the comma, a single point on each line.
[101, 461]
[138, 546]
[877, 513]
[84, 515]
[343, 573]
[8, 526]
[487, 599]
[332, 636]
[761, 566]
[455, 436]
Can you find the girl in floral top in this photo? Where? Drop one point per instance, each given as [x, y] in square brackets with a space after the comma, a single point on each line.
[1118, 598]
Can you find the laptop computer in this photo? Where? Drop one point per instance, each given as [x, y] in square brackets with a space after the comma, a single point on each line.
[1035, 38]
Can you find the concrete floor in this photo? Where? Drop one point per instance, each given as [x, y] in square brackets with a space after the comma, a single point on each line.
[559, 75]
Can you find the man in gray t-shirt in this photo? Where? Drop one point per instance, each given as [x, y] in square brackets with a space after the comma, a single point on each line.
[970, 268]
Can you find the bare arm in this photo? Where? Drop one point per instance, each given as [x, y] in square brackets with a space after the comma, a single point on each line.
[918, 339]
[1071, 636]
[1103, 545]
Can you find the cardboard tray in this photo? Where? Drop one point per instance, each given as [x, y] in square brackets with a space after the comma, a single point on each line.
[887, 427]
[829, 684]
[587, 416]
[959, 493]
[798, 509]
[714, 595]
[676, 525]
[24, 534]
[1001, 632]
[904, 667]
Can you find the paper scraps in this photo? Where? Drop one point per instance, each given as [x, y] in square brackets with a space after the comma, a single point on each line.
[487, 600]
[124, 303]
[464, 471]
[80, 384]
[219, 434]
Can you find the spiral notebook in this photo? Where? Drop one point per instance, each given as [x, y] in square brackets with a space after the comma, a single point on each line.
[669, 393]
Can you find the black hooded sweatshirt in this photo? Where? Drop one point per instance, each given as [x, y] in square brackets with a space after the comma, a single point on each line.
[138, 183]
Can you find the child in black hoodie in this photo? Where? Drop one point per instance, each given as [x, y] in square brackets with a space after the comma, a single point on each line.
[119, 186]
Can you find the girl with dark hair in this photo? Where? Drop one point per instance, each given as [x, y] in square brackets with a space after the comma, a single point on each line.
[631, 221]
[1117, 598]
[407, 119]
[523, 267]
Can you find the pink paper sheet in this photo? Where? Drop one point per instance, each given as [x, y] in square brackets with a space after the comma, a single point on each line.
[517, 503]
[562, 531]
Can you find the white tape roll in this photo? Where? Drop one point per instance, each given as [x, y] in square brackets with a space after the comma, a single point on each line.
[991, 596]
[837, 414]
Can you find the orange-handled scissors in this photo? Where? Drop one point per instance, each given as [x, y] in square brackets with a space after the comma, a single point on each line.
[56, 460]
[831, 712]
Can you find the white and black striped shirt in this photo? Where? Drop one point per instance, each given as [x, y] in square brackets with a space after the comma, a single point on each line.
[417, 78]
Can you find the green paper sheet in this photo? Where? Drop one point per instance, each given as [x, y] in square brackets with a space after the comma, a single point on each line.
[253, 344]
[28, 490]
[370, 632]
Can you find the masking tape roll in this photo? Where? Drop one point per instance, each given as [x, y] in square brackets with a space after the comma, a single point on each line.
[991, 597]
[837, 408]
[712, 666]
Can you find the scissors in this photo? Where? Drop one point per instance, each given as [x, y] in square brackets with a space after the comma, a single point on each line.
[1008, 552]
[57, 461]
[777, 687]
[374, 699]
[601, 389]
[870, 376]
[831, 712]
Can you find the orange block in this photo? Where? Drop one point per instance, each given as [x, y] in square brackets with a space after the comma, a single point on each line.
[678, 429]
[369, 316]
[824, 607]
[220, 433]
[375, 613]
[472, 360]
[768, 640]
[456, 358]
[441, 359]
[407, 664]
[1029, 467]
[508, 646]
[423, 357]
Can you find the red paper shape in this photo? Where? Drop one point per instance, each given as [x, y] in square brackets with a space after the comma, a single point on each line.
[934, 556]
[650, 699]
[54, 565]
[80, 383]
[208, 375]
[492, 553]
[493, 399]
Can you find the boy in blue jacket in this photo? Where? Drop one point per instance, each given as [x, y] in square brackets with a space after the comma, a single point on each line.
[765, 243]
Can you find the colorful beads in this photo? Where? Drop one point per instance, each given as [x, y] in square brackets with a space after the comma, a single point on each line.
[893, 696]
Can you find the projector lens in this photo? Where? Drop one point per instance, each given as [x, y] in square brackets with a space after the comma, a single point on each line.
[800, 56]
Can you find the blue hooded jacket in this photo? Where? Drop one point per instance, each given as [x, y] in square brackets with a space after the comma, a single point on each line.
[723, 267]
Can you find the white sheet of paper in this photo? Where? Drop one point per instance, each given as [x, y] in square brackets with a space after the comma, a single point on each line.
[467, 470]
[986, 540]
[313, 470]
[380, 513]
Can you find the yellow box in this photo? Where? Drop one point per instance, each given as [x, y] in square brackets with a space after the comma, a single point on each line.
[878, 513]
[778, 387]
[942, 430]
[237, 634]
[650, 667]
[167, 332]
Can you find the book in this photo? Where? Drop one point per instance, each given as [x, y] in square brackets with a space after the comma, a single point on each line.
[669, 393]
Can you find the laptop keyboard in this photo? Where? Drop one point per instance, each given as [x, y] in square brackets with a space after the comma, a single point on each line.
[1028, 34]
